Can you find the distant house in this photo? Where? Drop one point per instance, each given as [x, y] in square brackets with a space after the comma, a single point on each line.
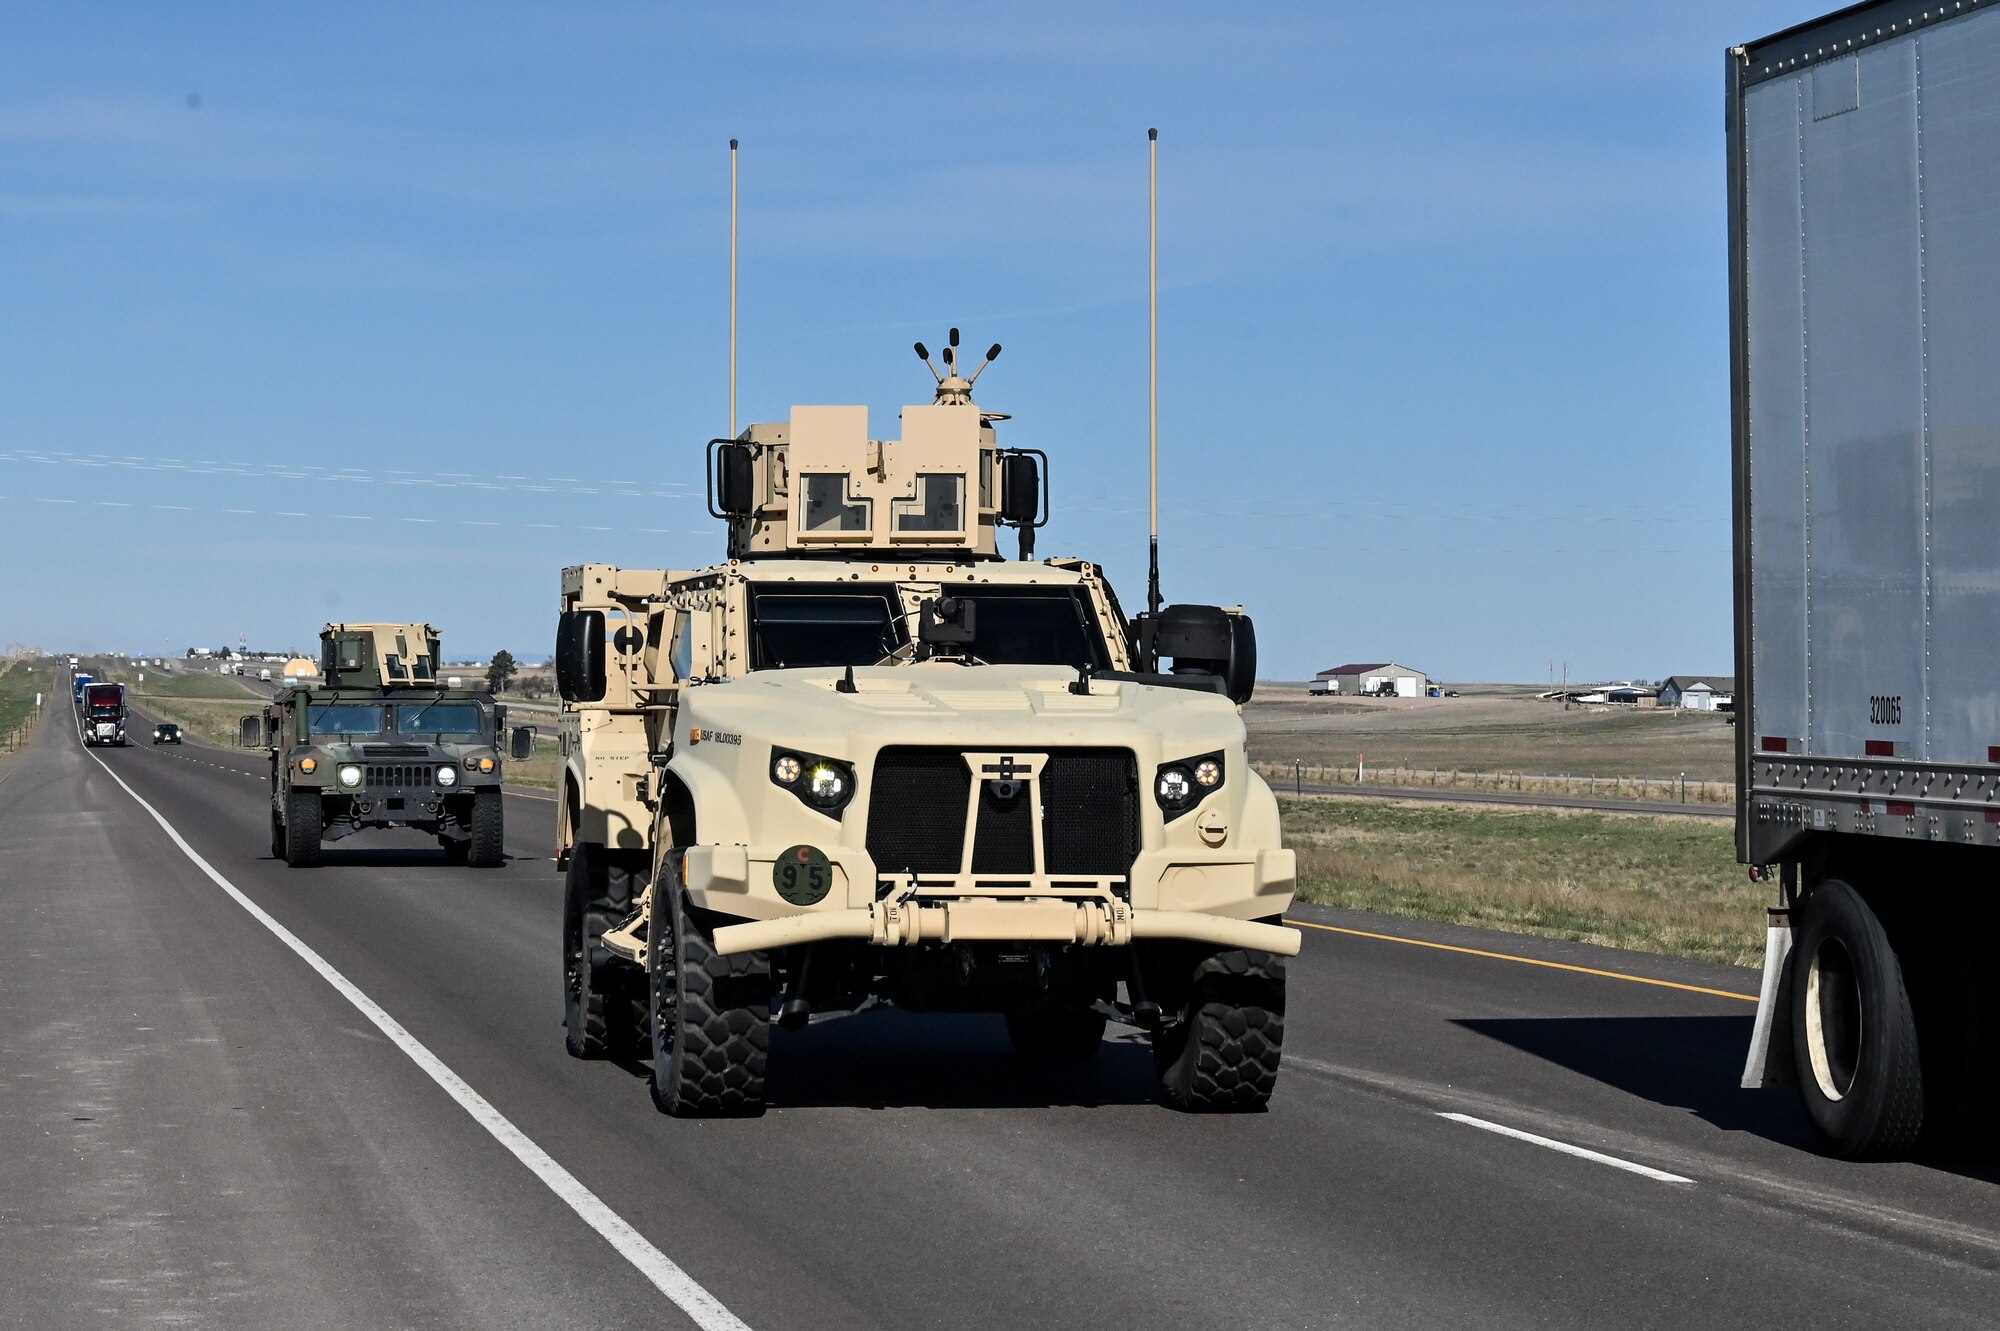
[1699, 693]
[1371, 679]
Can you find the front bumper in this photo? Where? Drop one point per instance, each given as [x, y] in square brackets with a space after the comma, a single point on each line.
[1218, 898]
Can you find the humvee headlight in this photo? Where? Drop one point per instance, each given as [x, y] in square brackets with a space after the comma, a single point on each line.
[1179, 786]
[309, 765]
[825, 784]
[447, 776]
[481, 765]
[350, 776]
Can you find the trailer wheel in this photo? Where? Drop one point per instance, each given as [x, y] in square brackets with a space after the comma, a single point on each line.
[486, 849]
[1854, 1030]
[1055, 1035]
[305, 821]
[711, 1014]
[1222, 1054]
[604, 1000]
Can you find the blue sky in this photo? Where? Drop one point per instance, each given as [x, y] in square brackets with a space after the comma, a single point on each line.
[390, 312]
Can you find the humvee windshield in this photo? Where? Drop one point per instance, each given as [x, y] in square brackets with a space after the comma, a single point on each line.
[1033, 626]
[345, 719]
[799, 624]
[440, 718]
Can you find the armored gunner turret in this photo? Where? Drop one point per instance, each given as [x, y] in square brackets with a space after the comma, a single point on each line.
[819, 486]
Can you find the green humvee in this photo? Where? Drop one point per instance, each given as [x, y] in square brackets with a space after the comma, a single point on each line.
[383, 741]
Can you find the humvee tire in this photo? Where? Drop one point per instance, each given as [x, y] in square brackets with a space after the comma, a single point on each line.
[486, 851]
[305, 819]
[604, 1001]
[1222, 1054]
[1055, 1034]
[711, 1016]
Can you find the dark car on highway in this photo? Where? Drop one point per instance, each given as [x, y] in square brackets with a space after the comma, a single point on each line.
[166, 733]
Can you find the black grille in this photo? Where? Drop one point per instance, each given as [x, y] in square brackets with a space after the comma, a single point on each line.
[393, 750]
[1090, 815]
[916, 810]
[399, 775]
[1005, 839]
[1090, 811]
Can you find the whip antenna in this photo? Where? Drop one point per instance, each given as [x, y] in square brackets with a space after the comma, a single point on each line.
[1153, 370]
[732, 288]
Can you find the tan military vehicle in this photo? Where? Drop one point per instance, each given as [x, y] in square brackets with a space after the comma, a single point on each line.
[384, 741]
[868, 759]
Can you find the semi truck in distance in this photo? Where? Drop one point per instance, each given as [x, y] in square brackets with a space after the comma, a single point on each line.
[103, 713]
[1864, 261]
[867, 758]
[77, 684]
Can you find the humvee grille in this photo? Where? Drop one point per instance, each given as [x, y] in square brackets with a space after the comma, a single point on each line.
[397, 775]
[916, 810]
[1090, 811]
[1090, 815]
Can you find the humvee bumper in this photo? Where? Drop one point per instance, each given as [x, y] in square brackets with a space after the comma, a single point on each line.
[975, 920]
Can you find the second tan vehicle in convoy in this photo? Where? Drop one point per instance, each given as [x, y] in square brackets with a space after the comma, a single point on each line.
[868, 759]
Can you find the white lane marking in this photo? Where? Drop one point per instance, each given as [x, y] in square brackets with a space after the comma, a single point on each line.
[1580, 1152]
[703, 1308]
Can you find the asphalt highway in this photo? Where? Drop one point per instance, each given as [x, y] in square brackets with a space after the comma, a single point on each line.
[200, 1126]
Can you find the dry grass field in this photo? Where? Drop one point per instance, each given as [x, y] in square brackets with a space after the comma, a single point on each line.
[1489, 729]
[1657, 884]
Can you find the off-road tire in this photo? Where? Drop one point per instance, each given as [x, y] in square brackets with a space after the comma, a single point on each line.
[711, 1015]
[1222, 1054]
[604, 997]
[305, 821]
[487, 849]
[1055, 1034]
[1854, 1028]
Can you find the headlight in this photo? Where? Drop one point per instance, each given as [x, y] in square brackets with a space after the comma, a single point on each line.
[308, 765]
[447, 776]
[478, 764]
[1179, 786]
[825, 784]
[350, 776]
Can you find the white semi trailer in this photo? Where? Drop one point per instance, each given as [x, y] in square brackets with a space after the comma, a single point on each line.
[1864, 237]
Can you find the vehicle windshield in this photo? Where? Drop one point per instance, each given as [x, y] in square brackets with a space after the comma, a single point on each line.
[346, 720]
[1033, 626]
[458, 719]
[799, 624]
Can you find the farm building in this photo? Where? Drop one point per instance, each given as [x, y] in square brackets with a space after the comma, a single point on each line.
[1699, 693]
[1372, 678]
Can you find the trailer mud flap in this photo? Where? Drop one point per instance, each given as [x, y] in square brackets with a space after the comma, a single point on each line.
[1769, 1063]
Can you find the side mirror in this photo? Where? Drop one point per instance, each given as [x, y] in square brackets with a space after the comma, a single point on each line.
[1208, 640]
[521, 744]
[250, 732]
[1020, 490]
[732, 488]
[580, 655]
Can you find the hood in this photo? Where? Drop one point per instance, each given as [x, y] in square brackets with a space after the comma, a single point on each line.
[1014, 706]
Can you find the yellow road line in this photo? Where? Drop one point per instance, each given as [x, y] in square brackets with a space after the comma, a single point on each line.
[1525, 961]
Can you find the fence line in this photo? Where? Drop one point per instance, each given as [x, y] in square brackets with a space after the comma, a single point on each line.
[1667, 789]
